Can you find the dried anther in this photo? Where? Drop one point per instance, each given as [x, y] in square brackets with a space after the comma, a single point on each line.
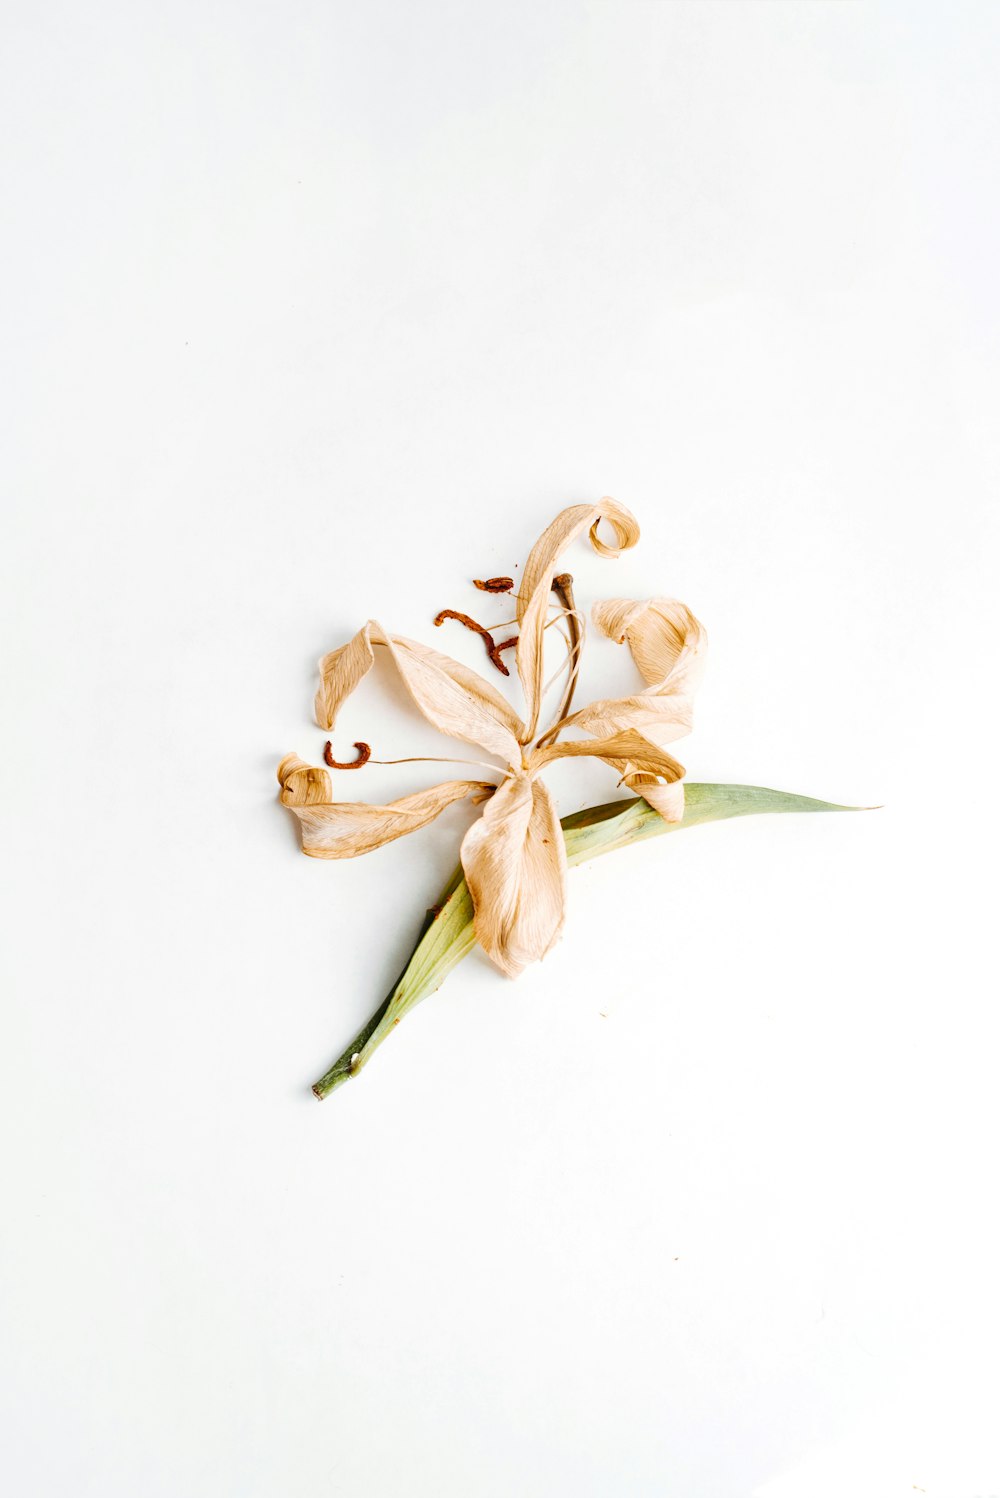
[493, 584]
[495, 657]
[492, 648]
[364, 755]
[462, 619]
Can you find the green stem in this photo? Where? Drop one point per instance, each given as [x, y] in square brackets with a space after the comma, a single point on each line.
[447, 934]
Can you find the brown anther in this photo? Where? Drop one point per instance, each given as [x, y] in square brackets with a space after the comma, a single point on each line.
[493, 584]
[492, 649]
[495, 654]
[364, 755]
[462, 619]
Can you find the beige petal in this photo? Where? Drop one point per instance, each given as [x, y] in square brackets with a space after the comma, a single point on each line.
[626, 748]
[345, 829]
[340, 672]
[667, 642]
[661, 720]
[667, 799]
[644, 767]
[514, 859]
[536, 584]
[455, 699]
[664, 791]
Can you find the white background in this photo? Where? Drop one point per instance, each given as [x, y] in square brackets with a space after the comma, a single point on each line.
[315, 311]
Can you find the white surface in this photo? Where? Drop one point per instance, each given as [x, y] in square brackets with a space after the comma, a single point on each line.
[314, 312]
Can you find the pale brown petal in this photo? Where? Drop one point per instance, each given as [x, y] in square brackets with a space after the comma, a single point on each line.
[668, 645]
[667, 642]
[514, 859]
[457, 700]
[661, 720]
[536, 584]
[666, 798]
[644, 767]
[629, 747]
[340, 672]
[665, 795]
[345, 829]
[454, 698]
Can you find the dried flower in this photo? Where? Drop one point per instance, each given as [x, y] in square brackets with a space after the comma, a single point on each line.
[510, 890]
[513, 856]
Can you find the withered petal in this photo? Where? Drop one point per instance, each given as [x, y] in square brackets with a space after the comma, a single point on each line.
[346, 829]
[514, 859]
[536, 583]
[452, 697]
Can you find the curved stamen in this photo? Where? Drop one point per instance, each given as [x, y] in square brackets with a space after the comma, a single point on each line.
[492, 649]
[364, 755]
[562, 587]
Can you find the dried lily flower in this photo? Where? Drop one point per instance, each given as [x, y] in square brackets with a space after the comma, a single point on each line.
[514, 856]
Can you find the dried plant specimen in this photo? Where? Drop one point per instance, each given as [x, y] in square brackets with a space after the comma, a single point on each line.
[510, 891]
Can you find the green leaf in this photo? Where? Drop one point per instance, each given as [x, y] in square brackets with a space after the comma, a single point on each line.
[447, 934]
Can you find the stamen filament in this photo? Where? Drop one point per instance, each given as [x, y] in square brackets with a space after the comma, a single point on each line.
[564, 664]
[434, 759]
[562, 586]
